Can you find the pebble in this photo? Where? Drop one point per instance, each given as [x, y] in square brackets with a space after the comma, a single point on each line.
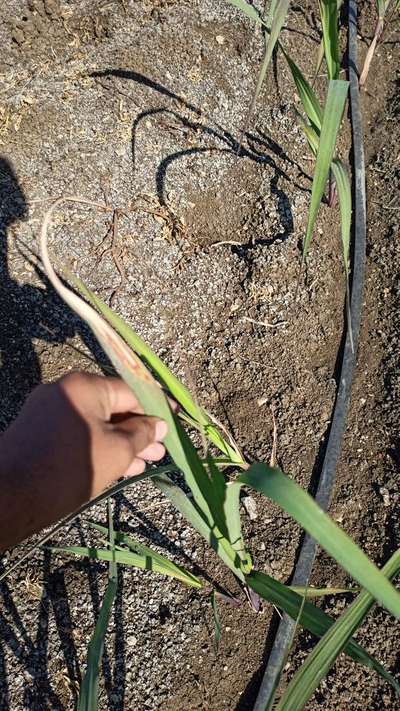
[385, 495]
[251, 507]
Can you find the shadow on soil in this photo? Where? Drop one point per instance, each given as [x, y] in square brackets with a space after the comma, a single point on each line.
[256, 146]
[28, 313]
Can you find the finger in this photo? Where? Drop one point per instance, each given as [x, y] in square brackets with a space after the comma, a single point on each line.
[153, 453]
[136, 467]
[97, 396]
[142, 431]
[120, 397]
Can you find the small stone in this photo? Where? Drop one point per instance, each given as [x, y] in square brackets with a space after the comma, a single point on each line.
[220, 39]
[251, 507]
[18, 36]
[131, 641]
[385, 495]
[51, 7]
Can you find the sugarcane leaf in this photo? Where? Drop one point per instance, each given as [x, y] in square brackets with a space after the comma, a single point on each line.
[88, 694]
[232, 514]
[306, 93]
[309, 132]
[311, 592]
[170, 382]
[149, 561]
[301, 506]
[196, 518]
[247, 9]
[334, 641]
[329, 21]
[277, 17]
[344, 192]
[320, 58]
[148, 393]
[217, 622]
[332, 117]
[112, 567]
[310, 617]
[144, 551]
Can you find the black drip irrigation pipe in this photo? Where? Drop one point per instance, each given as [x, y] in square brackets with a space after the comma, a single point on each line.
[302, 572]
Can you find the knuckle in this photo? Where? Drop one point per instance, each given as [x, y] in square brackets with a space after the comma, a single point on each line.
[126, 448]
[72, 380]
[149, 428]
[140, 466]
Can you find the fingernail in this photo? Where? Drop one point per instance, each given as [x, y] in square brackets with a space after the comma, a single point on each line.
[161, 430]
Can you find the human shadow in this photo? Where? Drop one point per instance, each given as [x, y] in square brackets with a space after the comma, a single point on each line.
[255, 146]
[27, 312]
[31, 653]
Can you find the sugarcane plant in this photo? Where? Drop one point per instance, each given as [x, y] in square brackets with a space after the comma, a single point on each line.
[214, 506]
[384, 8]
[321, 124]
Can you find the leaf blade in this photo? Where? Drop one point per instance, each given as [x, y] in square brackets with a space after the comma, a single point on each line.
[320, 660]
[88, 694]
[333, 111]
[311, 618]
[170, 382]
[156, 563]
[307, 94]
[329, 21]
[302, 507]
[220, 545]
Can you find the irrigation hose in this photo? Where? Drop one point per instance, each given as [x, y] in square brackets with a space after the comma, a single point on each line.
[302, 572]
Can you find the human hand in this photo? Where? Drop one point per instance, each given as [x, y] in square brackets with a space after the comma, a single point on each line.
[71, 439]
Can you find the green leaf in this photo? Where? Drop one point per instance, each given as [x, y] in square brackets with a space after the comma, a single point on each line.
[88, 695]
[146, 552]
[319, 60]
[332, 117]
[169, 381]
[310, 134]
[278, 14]
[344, 192]
[329, 21]
[301, 506]
[232, 514]
[325, 653]
[307, 94]
[147, 561]
[150, 396]
[247, 9]
[321, 48]
[310, 617]
[196, 518]
[217, 623]
[112, 568]
[311, 592]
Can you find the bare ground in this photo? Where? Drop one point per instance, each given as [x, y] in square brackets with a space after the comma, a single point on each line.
[120, 104]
